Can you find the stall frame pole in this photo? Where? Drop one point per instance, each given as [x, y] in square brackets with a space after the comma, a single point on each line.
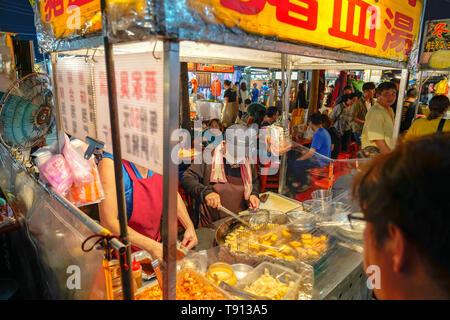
[285, 71]
[419, 90]
[401, 97]
[125, 260]
[58, 115]
[170, 169]
[422, 45]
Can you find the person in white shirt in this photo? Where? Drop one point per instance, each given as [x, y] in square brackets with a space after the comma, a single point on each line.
[244, 94]
[360, 109]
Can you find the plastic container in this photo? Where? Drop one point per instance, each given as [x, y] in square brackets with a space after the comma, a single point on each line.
[301, 221]
[322, 194]
[214, 292]
[145, 260]
[284, 274]
[220, 271]
[42, 156]
[137, 274]
[314, 205]
[241, 270]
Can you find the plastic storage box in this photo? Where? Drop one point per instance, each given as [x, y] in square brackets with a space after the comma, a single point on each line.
[285, 275]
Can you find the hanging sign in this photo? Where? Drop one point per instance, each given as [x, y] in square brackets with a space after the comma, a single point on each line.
[140, 93]
[191, 66]
[379, 28]
[215, 68]
[436, 45]
[67, 17]
[76, 97]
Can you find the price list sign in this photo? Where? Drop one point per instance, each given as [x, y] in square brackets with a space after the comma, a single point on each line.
[139, 82]
[76, 97]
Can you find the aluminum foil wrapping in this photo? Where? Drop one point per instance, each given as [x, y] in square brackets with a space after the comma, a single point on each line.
[64, 27]
[197, 20]
[413, 57]
[131, 20]
[67, 27]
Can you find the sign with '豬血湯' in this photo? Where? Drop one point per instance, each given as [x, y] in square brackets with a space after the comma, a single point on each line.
[380, 28]
[436, 45]
[140, 94]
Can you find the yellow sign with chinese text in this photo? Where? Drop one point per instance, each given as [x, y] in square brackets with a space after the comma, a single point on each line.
[436, 45]
[380, 28]
[68, 17]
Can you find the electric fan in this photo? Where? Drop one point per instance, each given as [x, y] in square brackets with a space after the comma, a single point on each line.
[26, 112]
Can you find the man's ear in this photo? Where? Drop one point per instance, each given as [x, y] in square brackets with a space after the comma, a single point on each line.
[397, 247]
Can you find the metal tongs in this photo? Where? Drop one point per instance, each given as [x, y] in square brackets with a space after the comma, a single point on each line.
[225, 286]
[230, 213]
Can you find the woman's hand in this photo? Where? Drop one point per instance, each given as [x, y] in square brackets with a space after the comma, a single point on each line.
[155, 249]
[213, 200]
[254, 202]
[190, 238]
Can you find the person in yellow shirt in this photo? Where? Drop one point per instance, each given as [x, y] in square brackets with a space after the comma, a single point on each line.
[435, 121]
[379, 124]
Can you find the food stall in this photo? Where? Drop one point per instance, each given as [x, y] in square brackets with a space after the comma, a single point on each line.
[149, 37]
[434, 58]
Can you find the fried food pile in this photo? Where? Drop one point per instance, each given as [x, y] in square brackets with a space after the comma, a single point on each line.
[276, 241]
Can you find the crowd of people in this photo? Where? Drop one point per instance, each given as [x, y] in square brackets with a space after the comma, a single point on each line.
[368, 117]
[396, 191]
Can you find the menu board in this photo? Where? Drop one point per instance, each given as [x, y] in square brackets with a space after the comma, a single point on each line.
[140, 93]
[76, 97]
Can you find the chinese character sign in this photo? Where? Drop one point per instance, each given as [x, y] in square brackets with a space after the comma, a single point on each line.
[140, 85]
[380, 28]
[436, 45]
[66, 17]
[75, 95]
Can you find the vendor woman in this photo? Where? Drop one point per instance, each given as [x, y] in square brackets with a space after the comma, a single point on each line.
[143, 197]
[229, 181]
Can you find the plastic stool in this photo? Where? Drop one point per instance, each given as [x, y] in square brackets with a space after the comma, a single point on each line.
[269, 181]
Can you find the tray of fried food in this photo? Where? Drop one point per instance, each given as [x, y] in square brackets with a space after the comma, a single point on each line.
[239, 237]
[191, 285]
[279, 242]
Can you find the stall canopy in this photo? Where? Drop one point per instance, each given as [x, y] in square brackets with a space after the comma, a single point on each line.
[213, 53]
[365, 32]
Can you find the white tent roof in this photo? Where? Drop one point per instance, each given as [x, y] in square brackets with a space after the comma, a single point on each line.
[212, 53]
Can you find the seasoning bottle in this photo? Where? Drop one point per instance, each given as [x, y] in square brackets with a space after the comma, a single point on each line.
[137, 273]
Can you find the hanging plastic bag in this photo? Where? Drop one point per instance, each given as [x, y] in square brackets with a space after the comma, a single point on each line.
[89, 192]
[441, 87]
[57, 173]
[81, 168]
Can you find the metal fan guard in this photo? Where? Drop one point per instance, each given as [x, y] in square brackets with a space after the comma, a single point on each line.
[42, 116]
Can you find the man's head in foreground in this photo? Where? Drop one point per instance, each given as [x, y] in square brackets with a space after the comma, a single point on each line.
[405, 205]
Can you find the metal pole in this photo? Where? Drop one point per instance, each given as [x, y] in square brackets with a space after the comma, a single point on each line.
[59, 120]
[286, 68]
[419, 90]
[125, 260]
[170, 170]
[401, 96]
[422, 45]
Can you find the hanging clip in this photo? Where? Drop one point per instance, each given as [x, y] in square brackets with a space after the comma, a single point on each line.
[93, 145]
